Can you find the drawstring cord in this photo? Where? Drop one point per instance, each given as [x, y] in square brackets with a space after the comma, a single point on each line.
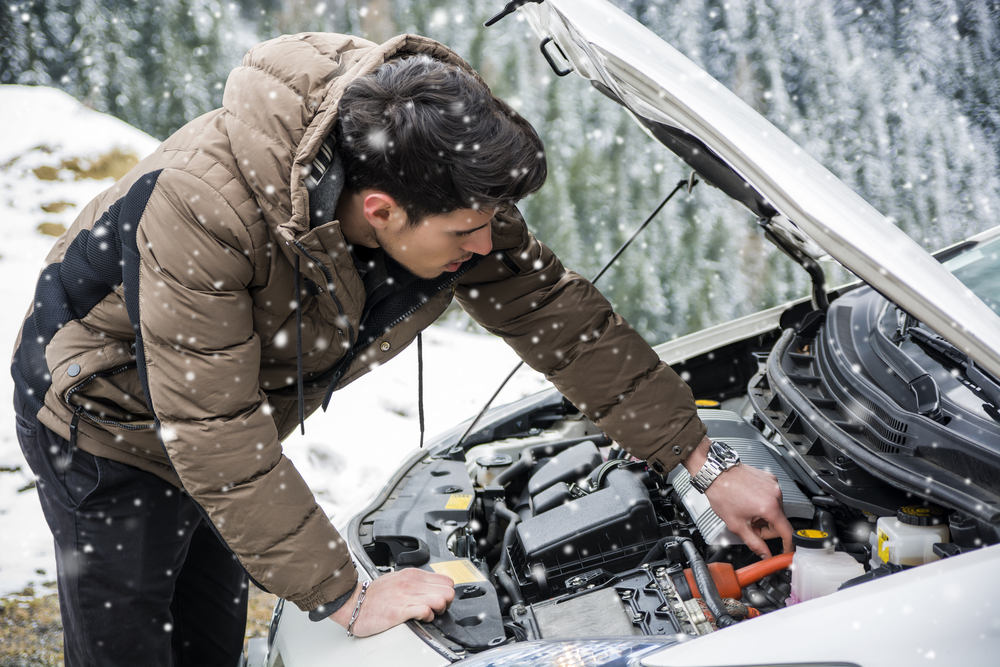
[298, 347]
[73, 430]
[420, 384]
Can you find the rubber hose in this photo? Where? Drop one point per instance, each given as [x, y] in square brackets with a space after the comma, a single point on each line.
[756, 571]
[510, 587]
[658, 551]
[706, 585]
[521, 466]
[492, 535]
[823, 520]
[500, 571]
[553, 448]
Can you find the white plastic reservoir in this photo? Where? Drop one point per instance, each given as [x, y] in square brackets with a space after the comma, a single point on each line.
[910, 536]
[817, 569]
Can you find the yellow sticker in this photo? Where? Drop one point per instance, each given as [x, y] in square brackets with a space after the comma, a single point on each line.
[811, 532]
[461, 571]
[916, 510]
[459, 501]
[883, 551]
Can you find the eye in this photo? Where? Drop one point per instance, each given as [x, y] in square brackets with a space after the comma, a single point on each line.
[469, 232]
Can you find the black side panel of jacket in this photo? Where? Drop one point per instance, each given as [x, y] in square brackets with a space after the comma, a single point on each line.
[91, 269]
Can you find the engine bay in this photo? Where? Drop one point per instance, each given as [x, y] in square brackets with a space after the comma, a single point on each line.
[550, 530]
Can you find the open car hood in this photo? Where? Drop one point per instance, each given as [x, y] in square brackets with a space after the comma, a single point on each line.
[739, 151]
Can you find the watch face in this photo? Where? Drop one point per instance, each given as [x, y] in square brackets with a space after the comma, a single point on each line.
[724, 454]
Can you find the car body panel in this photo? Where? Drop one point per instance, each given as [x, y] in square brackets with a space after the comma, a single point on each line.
[659, 83]
[905, 619]
[303, 642]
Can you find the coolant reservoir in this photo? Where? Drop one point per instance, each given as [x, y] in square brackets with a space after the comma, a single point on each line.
[490, 466]
[910, 536]
[817, 569]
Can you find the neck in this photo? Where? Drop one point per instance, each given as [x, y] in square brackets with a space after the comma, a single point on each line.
[350, 213]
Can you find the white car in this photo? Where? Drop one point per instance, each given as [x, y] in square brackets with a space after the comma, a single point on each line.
[877, 405]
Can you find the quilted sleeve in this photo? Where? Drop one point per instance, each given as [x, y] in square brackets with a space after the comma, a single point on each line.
[560, 325]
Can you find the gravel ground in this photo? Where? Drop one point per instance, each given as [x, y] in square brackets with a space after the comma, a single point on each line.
[31, 632]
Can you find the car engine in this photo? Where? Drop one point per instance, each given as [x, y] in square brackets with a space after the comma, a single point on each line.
[552, 531]
[568, 537]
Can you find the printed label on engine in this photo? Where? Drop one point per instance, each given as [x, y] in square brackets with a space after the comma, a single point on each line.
[459, 501]
[461, 571]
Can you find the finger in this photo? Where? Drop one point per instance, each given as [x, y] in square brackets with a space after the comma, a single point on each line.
[421, 612]
[779, 526]
[754, 543]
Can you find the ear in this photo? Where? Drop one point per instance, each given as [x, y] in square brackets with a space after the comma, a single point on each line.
[380, 210]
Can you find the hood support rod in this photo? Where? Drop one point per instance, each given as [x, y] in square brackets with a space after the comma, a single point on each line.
[819, 298]
[686, 184]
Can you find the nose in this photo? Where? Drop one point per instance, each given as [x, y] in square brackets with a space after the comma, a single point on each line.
[480, 243]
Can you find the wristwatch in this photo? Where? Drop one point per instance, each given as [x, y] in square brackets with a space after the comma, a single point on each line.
[721, 457]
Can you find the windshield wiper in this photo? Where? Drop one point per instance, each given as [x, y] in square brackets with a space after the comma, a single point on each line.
[920, 383]
[984, 386]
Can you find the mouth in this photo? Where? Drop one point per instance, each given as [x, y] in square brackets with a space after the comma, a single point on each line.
[453, 266]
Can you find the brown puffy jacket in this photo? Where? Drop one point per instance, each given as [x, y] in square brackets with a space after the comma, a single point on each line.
[164, 323]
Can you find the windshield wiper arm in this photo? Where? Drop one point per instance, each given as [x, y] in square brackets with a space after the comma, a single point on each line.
[920, 383]
[984, 386]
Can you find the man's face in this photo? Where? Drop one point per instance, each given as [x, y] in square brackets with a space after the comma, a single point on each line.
[439, 243]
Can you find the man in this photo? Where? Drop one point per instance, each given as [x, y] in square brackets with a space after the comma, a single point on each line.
[265, 255]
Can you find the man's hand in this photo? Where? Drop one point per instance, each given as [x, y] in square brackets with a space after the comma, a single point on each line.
[748, 501]
[397, 597]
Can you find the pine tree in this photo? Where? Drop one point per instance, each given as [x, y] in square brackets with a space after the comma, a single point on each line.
[13, 49]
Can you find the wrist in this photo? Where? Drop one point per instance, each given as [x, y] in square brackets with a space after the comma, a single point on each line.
[342, 616]
[719, 459]
[326, 610]
[694, 462]
[348, 614]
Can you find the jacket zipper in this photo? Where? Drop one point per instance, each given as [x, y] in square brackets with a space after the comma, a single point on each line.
[90, 415]
[414, 308]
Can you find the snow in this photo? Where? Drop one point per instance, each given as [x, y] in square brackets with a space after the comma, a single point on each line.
[346, 452]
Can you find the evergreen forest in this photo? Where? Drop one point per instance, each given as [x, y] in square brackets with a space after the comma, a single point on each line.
[898, 98]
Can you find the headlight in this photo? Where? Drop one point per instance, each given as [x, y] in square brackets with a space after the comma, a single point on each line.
[599, 653]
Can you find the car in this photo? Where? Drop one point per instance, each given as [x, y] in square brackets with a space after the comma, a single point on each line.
[876, 404]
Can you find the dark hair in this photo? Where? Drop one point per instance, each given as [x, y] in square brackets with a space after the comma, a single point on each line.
[433, 137]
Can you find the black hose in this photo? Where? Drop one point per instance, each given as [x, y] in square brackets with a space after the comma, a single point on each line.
[706, 585]
[513, 518]
[510, 587]
[658, 551]
[523, 464]
[492, 535]
[823, 520]
[500, 571]
[552, 448]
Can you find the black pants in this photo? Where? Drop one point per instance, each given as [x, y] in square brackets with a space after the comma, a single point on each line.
[143, 579]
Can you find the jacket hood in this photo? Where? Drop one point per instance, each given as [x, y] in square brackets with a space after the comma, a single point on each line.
[282, 103]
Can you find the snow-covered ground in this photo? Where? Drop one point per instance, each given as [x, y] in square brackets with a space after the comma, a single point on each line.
[346, 451]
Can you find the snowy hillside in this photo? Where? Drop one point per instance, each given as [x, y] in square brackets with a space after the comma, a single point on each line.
[51, 150]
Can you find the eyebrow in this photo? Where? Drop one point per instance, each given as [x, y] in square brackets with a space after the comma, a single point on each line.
[466, 232]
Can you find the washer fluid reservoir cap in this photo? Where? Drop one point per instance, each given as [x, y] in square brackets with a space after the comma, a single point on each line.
[494, 460]
[921, 515]
[810, 538]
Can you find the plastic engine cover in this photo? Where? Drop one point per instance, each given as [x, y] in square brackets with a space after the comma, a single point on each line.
[613, 527]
